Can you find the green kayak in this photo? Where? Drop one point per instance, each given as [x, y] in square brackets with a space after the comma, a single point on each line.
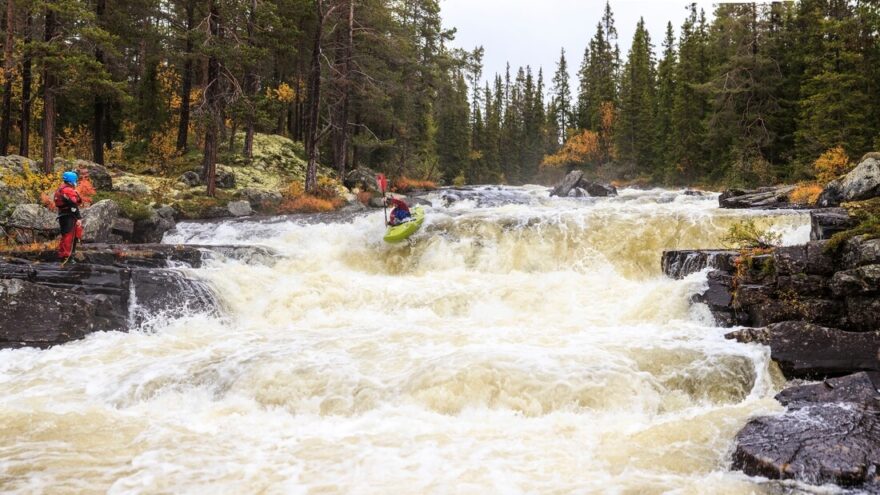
[401, 232]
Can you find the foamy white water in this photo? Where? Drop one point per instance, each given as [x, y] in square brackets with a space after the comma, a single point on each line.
[519, 344]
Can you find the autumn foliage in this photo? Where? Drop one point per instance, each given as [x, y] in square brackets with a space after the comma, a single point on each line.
[405, 185]
[806, 194]
[831, 165]
[581, 149]
[297, 201]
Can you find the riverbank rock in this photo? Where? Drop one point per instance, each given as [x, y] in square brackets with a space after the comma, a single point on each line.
[239, 208]
[362, 178]
[259, 198]
[826, 222]
[679, 264]
[43, 304]
[39, 316]
[574, 185]
[764, 198]
[98, 221]
[860, 184]
[32, 223]
[97, 174]
[152, 229]
[805, 350]
[830, 433]
[190, 178]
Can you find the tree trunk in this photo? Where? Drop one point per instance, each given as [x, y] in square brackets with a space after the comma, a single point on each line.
[340, 147]
[24, 145]
[186, 86]
[212, 100]
[100, 105]
[49, 85]
[314, 102]
[6, 123]
[251, 84]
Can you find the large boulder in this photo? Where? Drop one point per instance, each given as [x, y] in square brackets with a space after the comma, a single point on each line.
[861, 251]
[153, 228]
[860, 184]
[764, 197]
[856, 282]
[596, 189]
[829, 434]
[259, 198]
[190, 178]
[239, 208]
[225, 179]
[362, 178]
[132, 184]
[571, 180]
[98, 221]
[805, 350]
[681, 263]
[15, 164]
[40, 316]
[97, 174]
[32, 223]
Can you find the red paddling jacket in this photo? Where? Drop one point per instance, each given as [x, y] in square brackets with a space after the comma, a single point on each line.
[68, 201]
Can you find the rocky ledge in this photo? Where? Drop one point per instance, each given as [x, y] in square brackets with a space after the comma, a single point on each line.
[113, 287]
[818, 309]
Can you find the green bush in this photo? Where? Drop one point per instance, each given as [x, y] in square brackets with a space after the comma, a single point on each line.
[748, 235]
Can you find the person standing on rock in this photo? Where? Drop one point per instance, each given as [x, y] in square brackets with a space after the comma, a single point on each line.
[68, 202]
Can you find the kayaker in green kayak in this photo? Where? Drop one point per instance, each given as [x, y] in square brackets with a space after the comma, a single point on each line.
[399, 211]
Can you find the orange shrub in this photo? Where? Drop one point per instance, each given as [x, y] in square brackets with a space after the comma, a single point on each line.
[307, 203]
[86, 190]
[831, 165]
[580, 149]
[405, 185]
[806, 194]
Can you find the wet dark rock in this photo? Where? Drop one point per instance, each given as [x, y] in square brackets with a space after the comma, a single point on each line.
[826, 222]
[750, 336]
[765, 198]
[720, 291]
[805, 350]
[863, 313]
[681, 263]
[858, 281]
[803, 284]
[836, 442]
[861, 388]
[859, 251]
[793, 307]
[46, 304]
[574, 185]
[571, 180]
[810, 258]
[40, 316]
[598, 190]
[122, 227]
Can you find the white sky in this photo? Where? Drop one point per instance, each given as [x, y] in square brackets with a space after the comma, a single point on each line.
[531, 32]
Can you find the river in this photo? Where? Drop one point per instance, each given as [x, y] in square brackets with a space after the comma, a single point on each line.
[518, 344]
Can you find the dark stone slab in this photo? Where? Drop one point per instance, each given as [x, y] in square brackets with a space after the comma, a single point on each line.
[679, 264]
[826, 222]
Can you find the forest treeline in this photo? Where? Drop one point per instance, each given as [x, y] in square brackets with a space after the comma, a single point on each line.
[753, 95]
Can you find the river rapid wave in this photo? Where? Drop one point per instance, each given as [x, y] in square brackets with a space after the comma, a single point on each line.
[518, 344]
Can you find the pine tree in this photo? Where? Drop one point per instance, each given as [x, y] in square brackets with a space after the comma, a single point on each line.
[635, 125]
[562, 96]
[666, 89]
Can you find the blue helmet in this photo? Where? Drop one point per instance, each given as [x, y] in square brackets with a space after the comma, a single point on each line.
[70, 177]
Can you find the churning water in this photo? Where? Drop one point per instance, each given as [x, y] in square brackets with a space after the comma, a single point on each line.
[518, 344]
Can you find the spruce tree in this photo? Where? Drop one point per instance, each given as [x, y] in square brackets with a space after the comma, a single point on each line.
[562, 96]
[634, 135]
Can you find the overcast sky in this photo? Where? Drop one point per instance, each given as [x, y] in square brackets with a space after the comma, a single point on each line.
[531, 32]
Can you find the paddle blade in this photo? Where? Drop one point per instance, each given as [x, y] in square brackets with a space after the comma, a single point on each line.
[382, 182]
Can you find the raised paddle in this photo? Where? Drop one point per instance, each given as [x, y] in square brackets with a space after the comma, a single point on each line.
[382, 182]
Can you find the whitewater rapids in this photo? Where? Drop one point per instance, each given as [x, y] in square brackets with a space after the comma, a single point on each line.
[518, 344]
